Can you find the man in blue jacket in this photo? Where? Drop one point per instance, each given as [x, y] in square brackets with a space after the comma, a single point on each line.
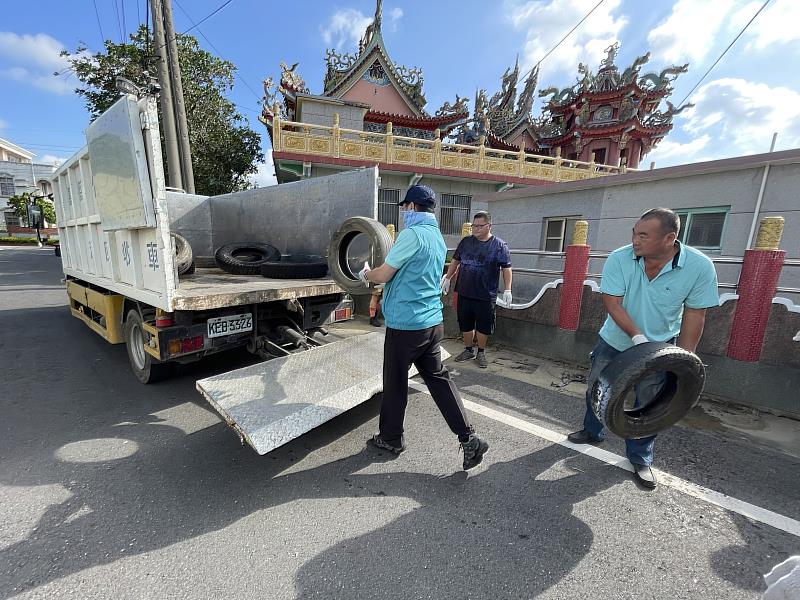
[412, 311]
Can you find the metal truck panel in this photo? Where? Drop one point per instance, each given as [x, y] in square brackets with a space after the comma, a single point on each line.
[274, 402]
[111, 207]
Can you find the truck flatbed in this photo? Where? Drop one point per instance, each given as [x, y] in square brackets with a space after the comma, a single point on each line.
[213, 288]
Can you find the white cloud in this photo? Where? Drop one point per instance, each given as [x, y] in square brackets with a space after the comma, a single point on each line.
[739, 116]
[51, 159]
[266, 172]
[777, 24]
[345, 28]
[34, 59]
[688, 33]
[3, 124]
[547, 22]
[43, 81]
[394, 16]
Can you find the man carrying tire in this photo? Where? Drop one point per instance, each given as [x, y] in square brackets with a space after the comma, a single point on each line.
[412, 312]
[479, 259]
[655, 289]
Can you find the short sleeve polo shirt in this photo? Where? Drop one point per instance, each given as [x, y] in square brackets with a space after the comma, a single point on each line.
[656, 306]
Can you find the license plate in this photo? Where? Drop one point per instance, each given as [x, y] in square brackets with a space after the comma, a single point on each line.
[219, 326]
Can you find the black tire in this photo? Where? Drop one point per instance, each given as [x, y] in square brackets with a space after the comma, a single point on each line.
[685, 380]
[190, 270]
[184, 256]
[245, 258]
[380, 244]
[144, 367]
[296, 266]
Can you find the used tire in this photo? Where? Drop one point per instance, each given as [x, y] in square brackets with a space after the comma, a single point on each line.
[183, 253]
[296, 266]
[245, 258]
[380, 242]
[685, 380]
[145, 367]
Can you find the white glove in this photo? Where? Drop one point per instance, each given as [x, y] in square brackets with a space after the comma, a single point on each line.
[507, 297]
[444, 284]
[362, 274]
[639, 339]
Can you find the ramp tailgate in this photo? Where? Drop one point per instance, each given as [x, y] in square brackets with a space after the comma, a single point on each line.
[274, 402]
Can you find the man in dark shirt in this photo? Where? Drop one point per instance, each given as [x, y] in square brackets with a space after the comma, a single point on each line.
[479, 259]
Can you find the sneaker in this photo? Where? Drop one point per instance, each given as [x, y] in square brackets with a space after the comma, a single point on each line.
[467, 354]
[481, 360]
[474, 449]
[375, 322]
[377, 441]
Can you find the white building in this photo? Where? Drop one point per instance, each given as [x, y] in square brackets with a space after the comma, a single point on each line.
[18, 174]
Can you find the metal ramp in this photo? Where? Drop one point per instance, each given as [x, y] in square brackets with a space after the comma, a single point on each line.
[274, 402]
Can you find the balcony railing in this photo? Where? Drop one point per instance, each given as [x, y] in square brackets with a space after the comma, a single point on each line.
[387, 148]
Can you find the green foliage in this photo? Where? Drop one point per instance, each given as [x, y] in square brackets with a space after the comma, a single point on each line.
[224, 148]
[20, 204]
[18, 241]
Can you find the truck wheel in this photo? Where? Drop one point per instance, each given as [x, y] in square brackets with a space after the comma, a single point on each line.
[145, 367]
[245, 258]
[296, 266]
[183, 253]
[347, 253]
[685, 381]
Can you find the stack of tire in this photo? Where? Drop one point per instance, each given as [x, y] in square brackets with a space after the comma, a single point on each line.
[256, 258]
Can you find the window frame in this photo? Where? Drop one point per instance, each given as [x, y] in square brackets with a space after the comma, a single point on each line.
[443, 222]
[686, 215]
[565, 228]
[384, 202]
[6, 176]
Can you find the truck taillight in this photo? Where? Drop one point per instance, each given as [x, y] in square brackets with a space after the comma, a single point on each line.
[342, 314]
[185, 345]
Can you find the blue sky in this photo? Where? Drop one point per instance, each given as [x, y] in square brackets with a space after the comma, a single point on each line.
[460, 45]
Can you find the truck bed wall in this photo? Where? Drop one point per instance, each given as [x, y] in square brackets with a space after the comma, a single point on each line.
[297, 218]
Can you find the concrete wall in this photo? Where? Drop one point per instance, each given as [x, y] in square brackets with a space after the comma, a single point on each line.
[321, 113]
[613, 204]
[26, 179]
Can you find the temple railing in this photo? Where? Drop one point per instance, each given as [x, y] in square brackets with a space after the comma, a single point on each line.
[352, 144]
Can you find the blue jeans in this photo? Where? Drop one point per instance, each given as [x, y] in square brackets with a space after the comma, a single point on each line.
[638, 451]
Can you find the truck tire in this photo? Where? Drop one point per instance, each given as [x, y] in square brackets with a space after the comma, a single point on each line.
[183, 253]
[380, 243]
[145, 367]
[245, 258]
[296, 266]
[685, 381]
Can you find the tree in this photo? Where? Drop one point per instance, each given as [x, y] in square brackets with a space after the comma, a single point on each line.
[20, 204]
[224, 148]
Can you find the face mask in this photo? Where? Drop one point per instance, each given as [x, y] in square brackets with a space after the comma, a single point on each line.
[411, 217]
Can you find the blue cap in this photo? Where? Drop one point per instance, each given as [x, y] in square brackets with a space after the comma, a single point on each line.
[421, 195]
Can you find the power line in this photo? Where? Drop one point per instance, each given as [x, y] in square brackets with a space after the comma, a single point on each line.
[208, 17]
[724, 52]
[124, 25]
[235, 73]
[119, 23]
[97, 14]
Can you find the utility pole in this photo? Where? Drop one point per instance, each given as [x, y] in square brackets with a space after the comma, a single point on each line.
[174, 173]
[180, 109]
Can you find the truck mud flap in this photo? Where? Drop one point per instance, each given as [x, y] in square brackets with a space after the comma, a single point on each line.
[274, 402]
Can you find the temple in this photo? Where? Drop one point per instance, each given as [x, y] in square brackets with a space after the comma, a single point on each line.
[372, 111]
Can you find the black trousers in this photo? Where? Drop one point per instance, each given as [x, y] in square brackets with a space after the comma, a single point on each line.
[421, 348]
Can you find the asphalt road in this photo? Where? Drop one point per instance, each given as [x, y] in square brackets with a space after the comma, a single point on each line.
[112, 489]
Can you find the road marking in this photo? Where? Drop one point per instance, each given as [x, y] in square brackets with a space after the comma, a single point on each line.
[751, 511]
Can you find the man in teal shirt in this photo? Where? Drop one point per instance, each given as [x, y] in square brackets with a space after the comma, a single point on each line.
[412, 311]
[654, 290]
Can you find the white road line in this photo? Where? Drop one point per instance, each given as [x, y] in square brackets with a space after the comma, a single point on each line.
[751, 511]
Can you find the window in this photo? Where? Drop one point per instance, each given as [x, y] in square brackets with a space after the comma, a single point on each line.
[599, 156]
[454, 213]
[558, 233]
[7, 186]
[388, 211]
[703, 227]
[12, 220]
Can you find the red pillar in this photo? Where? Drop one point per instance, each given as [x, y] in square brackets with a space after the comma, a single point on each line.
[757, 286]
[576, 268]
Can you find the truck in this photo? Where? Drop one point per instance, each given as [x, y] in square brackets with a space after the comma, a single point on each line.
[121, 230]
